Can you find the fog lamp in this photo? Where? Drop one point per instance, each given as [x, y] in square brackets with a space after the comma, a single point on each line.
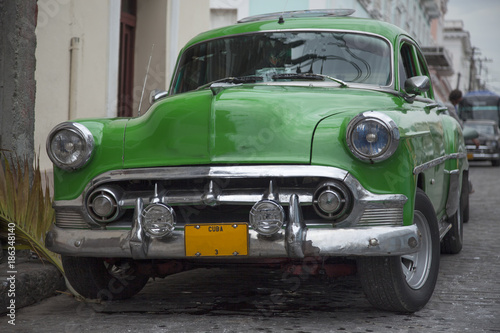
[158, 220]
[267, 217]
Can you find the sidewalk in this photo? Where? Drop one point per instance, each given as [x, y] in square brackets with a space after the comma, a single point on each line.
[34, 281]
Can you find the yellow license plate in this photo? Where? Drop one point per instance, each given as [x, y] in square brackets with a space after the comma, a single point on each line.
[470, 156]
[214, 240]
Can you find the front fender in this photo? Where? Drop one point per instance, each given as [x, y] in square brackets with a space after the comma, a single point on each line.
[392, 176]
[107, 155]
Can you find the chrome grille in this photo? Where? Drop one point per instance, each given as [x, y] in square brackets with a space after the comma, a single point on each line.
[381, 217]
[70, 219]
[208, 194]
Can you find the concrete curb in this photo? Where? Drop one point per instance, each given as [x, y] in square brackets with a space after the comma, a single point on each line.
[31, 281]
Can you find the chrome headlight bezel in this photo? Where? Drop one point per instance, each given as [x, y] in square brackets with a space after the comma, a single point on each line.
[386, 130]
[81, 156]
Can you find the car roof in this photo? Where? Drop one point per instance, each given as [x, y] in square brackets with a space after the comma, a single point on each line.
[387, 30]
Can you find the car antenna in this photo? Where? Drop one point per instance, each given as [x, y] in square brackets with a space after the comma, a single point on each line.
[281, 20]
[145, 79]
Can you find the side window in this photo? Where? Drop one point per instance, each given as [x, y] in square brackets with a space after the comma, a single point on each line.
[406, 64]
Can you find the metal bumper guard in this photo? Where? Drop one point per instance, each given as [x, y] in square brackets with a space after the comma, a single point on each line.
[297, 241]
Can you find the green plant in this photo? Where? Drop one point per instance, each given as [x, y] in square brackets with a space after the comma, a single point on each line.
[26, 206]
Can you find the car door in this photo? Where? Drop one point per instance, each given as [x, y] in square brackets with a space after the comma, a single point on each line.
[430, 145]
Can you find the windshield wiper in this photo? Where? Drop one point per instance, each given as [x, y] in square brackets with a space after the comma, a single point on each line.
[308, 76]
[234, 80]
[227, 82]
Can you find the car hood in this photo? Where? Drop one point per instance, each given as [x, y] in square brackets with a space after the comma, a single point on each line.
[241, 124]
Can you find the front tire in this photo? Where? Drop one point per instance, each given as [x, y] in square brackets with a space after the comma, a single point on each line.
[97, 278]
[405, 283]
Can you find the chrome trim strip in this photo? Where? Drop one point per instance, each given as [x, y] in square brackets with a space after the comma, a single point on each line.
[415, 134]
[314, 13]
[427, 165]
[236, 171]
[223, 197]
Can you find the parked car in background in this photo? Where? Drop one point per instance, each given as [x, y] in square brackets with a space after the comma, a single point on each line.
[296, 139]
[489, 141]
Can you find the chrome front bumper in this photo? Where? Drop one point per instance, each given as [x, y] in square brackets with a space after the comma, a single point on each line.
[294, 241]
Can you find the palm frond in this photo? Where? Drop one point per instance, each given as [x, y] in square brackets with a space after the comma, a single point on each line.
[25, 204]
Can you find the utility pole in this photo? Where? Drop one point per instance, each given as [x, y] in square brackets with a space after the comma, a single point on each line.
[481, 61]
[471, 67]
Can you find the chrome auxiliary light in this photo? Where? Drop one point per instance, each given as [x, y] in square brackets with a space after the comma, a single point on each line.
[158, 219]
[267, 217]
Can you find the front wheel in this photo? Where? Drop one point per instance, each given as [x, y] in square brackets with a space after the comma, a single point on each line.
[405, 283]
[98, 278]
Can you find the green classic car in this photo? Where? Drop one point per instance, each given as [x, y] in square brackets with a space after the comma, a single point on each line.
[284, 139]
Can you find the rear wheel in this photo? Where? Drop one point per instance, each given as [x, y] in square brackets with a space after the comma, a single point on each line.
[453, 240]
[97, 278]
[405, 283]
[466, 191]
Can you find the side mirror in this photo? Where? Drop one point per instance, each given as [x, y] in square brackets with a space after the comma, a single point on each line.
[417, 85]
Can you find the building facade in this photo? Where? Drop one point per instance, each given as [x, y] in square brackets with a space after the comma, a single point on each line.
[457, 40]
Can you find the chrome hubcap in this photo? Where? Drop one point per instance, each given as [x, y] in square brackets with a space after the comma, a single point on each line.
[416, 266]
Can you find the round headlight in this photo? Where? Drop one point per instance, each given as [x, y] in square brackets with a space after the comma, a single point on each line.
[70, 145]
[372, 136]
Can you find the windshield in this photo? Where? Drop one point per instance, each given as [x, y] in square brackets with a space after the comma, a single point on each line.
[349, 57]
